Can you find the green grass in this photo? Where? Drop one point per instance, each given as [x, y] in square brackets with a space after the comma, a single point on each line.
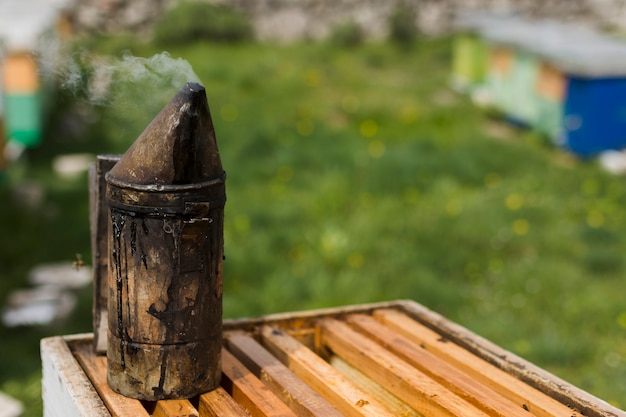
[357, 176]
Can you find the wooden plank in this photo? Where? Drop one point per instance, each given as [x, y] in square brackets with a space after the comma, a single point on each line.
[174, 408]
[303, 320]
[99, 219]
[500, 381]
[294, 392]
[321, 376]
[96, 368]
[247, 390]
[218, 403]
[66, 390]
[393, 403]
[450, 377]
[410, 385]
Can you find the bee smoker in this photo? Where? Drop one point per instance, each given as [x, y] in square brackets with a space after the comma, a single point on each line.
[166, 199]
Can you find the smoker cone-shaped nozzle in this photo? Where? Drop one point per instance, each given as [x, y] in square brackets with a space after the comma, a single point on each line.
[178, 147]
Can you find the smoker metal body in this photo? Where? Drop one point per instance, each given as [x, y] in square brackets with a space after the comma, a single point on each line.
[166, 199]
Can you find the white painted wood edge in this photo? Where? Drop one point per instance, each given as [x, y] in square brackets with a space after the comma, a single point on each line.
[66, 390]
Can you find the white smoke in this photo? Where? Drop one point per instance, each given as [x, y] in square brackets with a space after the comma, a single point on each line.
[157, 73]
[104, 80]
[130, 90]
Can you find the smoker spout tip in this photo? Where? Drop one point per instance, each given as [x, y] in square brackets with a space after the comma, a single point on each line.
[177, 147]
[193, 93]
[194, 87]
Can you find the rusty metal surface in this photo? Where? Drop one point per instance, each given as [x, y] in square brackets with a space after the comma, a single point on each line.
[166, 200]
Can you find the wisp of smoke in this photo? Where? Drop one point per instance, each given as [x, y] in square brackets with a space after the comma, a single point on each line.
[100, 79]
[146, 76]
[134, 88]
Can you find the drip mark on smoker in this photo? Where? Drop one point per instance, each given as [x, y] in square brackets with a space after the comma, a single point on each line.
[133, 237]
[118, 221]
[158, 391]
[143, 256]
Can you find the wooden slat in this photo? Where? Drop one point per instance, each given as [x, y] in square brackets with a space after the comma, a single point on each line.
[303, 320]
[450, 377]
[393, 403]
[412, 386]
[249, 391]
[174, 408]
[96, 368]
[321, 376]
[294, 392]
[99, 219]
[507, 385]
[218, 403]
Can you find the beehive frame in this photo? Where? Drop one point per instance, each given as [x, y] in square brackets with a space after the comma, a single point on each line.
[339, 361]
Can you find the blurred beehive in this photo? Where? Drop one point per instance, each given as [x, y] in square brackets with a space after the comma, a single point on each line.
[24, 24]
[566, 81]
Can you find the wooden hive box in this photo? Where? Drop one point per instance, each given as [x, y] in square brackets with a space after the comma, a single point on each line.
[396, 358]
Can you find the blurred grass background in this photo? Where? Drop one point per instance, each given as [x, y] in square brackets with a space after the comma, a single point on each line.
[356, 175]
